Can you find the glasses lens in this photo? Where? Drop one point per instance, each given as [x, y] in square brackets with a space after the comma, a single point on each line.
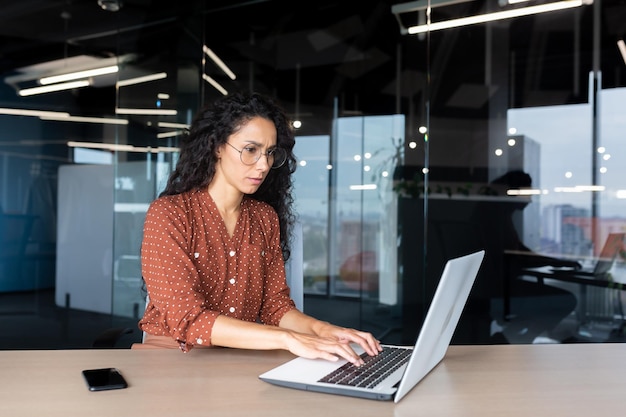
[275, 157]
[279, 155]
[249, 156]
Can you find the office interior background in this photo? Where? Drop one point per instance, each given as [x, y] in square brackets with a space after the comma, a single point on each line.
[401, 127]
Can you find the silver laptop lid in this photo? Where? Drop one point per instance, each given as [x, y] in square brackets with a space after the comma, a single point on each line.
[441, 320]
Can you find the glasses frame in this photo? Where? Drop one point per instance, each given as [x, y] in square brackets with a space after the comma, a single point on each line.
[267, 154]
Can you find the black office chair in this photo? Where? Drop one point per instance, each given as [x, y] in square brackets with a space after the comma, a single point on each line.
[110, 338]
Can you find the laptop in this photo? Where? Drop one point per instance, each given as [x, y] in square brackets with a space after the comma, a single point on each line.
[409, 364]
[614, 242]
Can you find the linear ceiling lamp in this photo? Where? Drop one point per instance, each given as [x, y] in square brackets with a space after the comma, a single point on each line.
[173, 125]
[143, 79]
[146, 112]
[81, 119]
[215, 84]
[61, 116]
[78, 75]
[524, 191]
[53, 87]
[501, 15]
[622, 49]
[121, 147]
[218, 62]
[579, 189]
[98, 145]
[172, 134]
[33, 113]
[80, 67]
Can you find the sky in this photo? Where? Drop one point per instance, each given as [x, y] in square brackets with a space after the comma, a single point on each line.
[570, 128]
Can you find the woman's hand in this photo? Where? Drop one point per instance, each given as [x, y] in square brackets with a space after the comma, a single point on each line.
[345, 335]
[312, 338]
[333, 347]
[314, 347]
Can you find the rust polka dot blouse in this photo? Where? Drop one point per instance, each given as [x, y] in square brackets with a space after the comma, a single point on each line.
[194, 270]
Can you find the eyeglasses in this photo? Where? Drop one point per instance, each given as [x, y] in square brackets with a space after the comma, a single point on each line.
[250, 154]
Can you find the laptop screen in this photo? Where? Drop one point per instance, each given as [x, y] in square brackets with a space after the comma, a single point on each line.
[612, 246]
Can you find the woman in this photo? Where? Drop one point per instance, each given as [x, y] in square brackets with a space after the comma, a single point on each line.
[216, 240]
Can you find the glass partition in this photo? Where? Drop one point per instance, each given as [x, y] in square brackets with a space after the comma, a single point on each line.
[311, 189]
[521, 125]
[415, 144]
[158, 92]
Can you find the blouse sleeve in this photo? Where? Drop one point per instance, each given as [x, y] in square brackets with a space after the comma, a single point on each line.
[176, 307]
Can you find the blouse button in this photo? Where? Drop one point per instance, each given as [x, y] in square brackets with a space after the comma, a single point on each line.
[232, 253]
[199, 341]
[232, 280]
[196, 255]
[232, 309]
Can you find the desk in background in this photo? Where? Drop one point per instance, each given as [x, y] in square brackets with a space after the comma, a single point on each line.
[542, 273]
[486, 380]
[583, 282]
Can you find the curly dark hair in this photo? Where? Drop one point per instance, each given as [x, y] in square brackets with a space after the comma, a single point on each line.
[211, 128]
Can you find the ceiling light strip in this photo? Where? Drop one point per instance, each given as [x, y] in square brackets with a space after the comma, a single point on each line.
[78, 74]
[95, 145]
[146, 112]
[81, 119]
[580, 189]
[143, 79]
[171, 134]
[523, 192]
[363, 187]
[591, 187]
[622, 49]
[53, 87]
[34, 113]
[215, 84]
[218, 62]
[173, 125]
[490, 17]
[121, 147]
[171, 149]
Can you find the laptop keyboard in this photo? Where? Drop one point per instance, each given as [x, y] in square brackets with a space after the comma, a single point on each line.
[375, 369]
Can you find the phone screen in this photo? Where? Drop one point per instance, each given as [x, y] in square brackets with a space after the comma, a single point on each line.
[104, 379]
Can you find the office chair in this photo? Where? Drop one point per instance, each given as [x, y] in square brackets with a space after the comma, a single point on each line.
[110, 337]
[294, 267]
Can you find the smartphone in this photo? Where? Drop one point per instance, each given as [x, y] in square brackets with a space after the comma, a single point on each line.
[104, 379]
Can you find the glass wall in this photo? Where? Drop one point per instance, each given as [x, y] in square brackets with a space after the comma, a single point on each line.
[520, 157]
[415, 145]
[158, 92]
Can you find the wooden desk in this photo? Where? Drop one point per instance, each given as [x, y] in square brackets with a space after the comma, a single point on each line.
[497, 380]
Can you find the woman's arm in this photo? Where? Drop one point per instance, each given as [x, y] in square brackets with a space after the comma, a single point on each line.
[176, 306]
[297, 321]
[312, 339]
